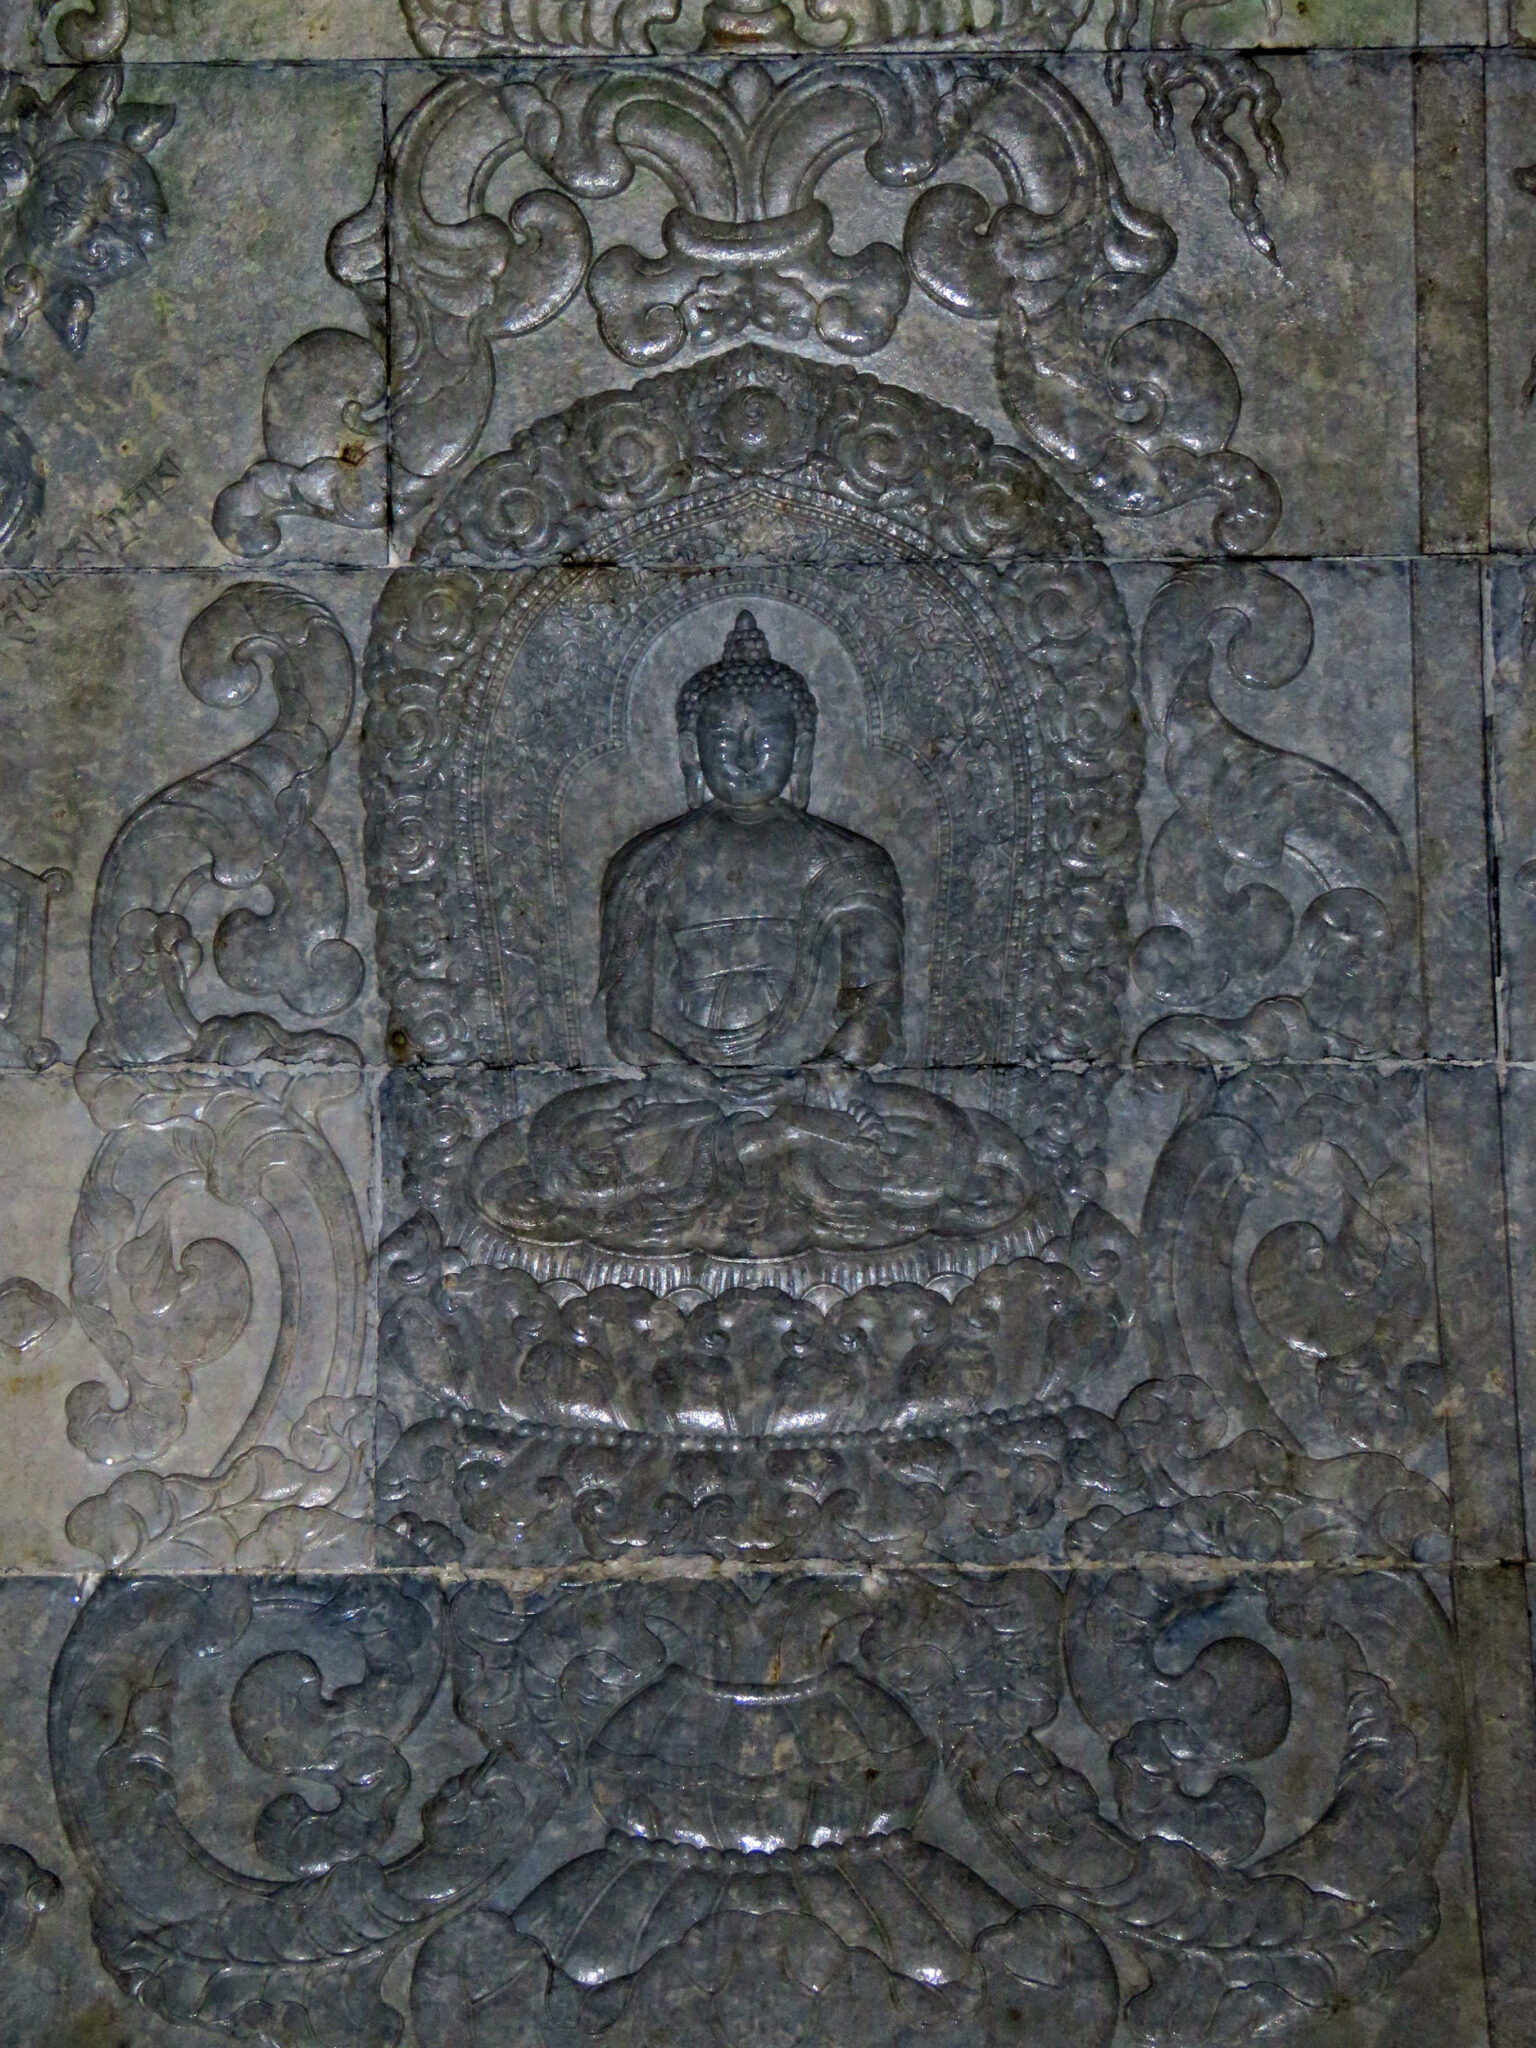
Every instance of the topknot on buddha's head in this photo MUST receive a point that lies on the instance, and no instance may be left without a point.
(747, 665)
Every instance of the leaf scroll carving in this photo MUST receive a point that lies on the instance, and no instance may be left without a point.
(1137, 419)
(703, 1798)
(189, 1141)
(244, 823)
(1323, 912)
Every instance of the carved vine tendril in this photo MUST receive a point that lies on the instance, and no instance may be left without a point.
(1274, 869)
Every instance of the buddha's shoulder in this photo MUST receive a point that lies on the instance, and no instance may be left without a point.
(638, 859)
(842, 844)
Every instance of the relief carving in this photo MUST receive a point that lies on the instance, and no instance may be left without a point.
(1180, 1389)
(26, 1892)
(981, 675)
(228, 871)
(24, 901)
(244, 824)
(751, 966)
(747, 1167)
(1276, 875)
(97, 30)
(640, 28)
(1229, 87)
(725, 1786)
(818, 1307)
(80, 208)
(31, 1321)
(1134, 418)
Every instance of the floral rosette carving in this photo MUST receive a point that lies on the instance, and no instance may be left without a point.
(562, 488)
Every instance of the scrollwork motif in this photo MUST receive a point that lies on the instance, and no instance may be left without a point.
(722, 1784)
(186, 1135)
(1231, 1940)
(247, 822)
(1324, 911)
(200, 1940)
(1137, 419)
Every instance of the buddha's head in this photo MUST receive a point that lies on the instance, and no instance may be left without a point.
(746, 727)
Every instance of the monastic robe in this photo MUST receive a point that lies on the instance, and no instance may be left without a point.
(750, 938)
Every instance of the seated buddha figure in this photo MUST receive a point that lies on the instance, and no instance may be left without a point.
(751, 968)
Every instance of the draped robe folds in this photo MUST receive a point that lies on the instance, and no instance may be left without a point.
(752, 967)
(835, 893)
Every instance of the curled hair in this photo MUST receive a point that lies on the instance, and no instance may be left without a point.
(746, 664)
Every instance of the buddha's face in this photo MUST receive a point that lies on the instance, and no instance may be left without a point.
(746, 744)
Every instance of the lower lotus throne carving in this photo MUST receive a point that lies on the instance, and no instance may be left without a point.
(754, 1825)
(751, 966)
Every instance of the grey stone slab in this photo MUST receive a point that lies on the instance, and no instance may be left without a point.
(1493, 1623)
(1315, 351)
(1476, 1349)
(135, 392)
(1512, 707)
(1450, 249)
(1453, 809)
(227, 31)
(1321, 341)
(18, 36)
(53, 1987)
(1002, 1797)
(174, 736)
(764, 1072)
(1518, 1095)
(224, 31)
(1512, 296)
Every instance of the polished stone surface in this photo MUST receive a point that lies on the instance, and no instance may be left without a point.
(767, 1023)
